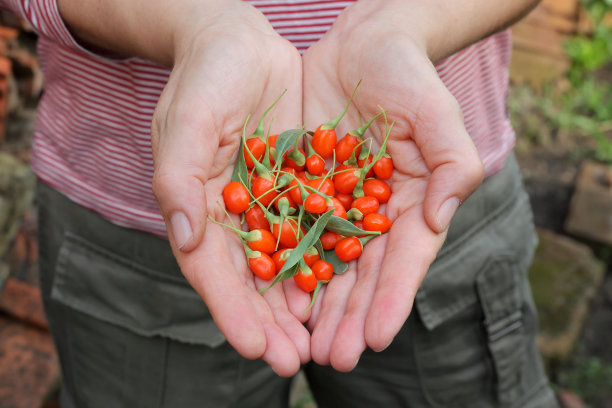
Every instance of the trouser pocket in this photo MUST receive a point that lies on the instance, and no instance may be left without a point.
(122, 327)
(476, 346)
(501, 299)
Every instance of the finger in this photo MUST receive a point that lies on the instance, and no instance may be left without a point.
(349, 341)
(287, 321)
(411, 248)
(315, 311)
(333, 306)
(297, 300)
(209, 270)
(281, 352)
(450, 154)
(185, 141)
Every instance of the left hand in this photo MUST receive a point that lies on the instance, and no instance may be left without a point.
(436, 168)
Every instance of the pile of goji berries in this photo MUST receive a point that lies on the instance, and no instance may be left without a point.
(307, 221)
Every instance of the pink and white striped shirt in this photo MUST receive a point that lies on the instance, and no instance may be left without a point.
(92, 138)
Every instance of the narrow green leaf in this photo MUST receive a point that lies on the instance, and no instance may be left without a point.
(241, 173)
(292, 264)
(314, 296)
(309, 240)
(339, 266)
(319, 247)
(285, 141)
(346, 228)
(281, 276)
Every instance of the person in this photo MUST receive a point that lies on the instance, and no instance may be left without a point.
(152, 95)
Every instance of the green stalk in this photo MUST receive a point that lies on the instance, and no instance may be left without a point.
(259, 132)
(358, 191)
(334, 122)
(359, 132)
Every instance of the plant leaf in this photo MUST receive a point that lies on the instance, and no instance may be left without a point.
(346, 228)
(319, 247)
(241, 173)
(285, 141)
(339, 266)
(292, 264)
(314, 296)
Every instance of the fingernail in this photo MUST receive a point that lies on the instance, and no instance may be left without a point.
(181, 229)
(446, 212)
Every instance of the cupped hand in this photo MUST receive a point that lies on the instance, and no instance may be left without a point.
(436, 168)
(223, 71)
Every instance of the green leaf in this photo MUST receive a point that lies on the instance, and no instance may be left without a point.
(309, 240)
(285, 141)
(320, 249)
(346, 228)
(241, 173)
(314, 296)
(290, 267)
(339, 266)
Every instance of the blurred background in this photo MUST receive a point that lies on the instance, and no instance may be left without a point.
(560, 102)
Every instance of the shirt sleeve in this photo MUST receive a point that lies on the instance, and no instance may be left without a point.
(45, 19)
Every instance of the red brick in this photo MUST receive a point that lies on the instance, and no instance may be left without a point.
(7, 33)
(5, 67)
(29, 367)
(24, 302)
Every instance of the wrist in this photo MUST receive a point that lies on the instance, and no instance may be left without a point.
(438, 27)
(151, 29)
(202, 26)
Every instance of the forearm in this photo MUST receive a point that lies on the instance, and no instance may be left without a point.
(443, 27)
(152, 29)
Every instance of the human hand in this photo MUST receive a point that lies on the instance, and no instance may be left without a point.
(222, 72)
(436, 168)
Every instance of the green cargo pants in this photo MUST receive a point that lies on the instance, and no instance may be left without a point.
(131, 332)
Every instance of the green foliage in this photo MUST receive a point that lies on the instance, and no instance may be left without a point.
(585, 108)
(591, 52)
(590, 378)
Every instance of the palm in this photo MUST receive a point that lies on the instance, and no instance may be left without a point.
(368, 305)
(196, 132)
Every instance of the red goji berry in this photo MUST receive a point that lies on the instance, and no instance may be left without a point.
(315, 165)
(366, 162)
(315, 204)
(288, 233)
(280, 258)
(378, 189)
(377, 222)
(367, 205)
(257, 147)
(256, 218)
(329, 240)
(324, 141)
(325, 186)
(236, 197)
(383, 168)
(305, 279)
(345, 147)
(345, 199)
(338, 208)
(322, 270)
(348, 249)
(346, 178)
(262, 189)
(262, 266)
(311, 256)
(261, 240)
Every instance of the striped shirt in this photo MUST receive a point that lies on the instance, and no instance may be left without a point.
(92, 137)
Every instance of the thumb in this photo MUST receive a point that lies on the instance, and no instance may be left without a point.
(183, 156)
(451, 156)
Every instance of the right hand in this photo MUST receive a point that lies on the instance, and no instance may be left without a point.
(223, 71)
